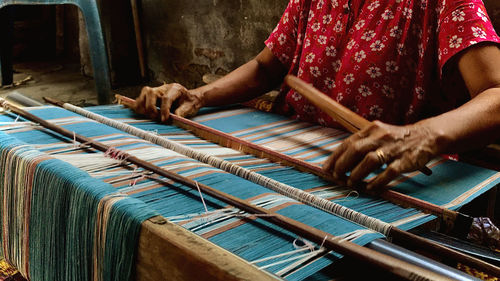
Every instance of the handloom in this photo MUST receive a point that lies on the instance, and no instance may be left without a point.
(227, 140)
(262, 243)
(389, 264)
(387, 229)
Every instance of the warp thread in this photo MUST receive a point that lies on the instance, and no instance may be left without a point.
(49, 217)
(292, 192)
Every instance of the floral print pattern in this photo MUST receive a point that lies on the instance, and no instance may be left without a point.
(383, 59)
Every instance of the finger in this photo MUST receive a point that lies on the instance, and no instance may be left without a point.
(167, 100)
(150, 104)
(392, 171)
(165, 109)
(370, 163)
(140, 101)
(353, 154)
(329, 164)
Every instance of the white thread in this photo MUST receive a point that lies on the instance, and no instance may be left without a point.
(299, 260)
(134, 182)
(301, 257)
(284, 189)
(209, 220)
(201, 196)
(319, 253)
(199, 215)
(346, 198)
(322, 243)
(307, 244)
(279, 255)
(91, 163)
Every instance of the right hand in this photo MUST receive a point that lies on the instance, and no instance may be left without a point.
(189, 101)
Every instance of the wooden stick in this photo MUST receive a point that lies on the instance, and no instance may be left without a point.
(363, 254)
(405, 238)
(138, 37)
(345, 117)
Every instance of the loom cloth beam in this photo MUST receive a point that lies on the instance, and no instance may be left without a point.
(370, 257)
(398, 235)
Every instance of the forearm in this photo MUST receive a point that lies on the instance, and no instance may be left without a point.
(473, 125)
(251, 80)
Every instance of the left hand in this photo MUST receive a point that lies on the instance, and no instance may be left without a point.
(403, 148)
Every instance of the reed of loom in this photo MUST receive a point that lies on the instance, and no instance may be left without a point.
(399, 236)
(389, 264)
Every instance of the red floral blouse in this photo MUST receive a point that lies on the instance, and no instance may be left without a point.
(382, 59)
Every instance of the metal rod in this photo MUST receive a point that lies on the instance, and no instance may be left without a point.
(400, 253)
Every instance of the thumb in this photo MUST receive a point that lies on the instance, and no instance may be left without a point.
(187, 109)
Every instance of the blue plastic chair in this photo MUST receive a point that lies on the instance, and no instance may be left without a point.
(96, 41)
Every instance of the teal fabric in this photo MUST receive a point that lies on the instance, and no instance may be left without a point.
(250, 239)
(62, 220)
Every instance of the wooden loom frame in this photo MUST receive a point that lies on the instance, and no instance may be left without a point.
(406, 237)
(392, 265)
(198, 129)
(166, 249)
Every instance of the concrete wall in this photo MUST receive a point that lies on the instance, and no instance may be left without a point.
(189, 38)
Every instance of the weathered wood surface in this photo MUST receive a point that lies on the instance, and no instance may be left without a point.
(167, 251)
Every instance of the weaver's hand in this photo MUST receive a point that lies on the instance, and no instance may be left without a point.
(188, 101)
(402, 148)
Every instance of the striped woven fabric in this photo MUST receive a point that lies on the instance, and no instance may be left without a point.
(142, 194)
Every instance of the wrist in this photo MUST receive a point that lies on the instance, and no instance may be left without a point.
(200, 94)
(438, 139)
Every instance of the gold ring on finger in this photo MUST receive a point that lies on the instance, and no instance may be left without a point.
(381, 156)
